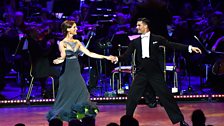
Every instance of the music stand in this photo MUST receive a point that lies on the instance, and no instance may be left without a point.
(208, 53)
(120, 43)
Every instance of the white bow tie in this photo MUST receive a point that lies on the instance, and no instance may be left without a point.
(143, 36)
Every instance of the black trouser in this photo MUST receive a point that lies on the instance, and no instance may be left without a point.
(149, 95)
(153, 77)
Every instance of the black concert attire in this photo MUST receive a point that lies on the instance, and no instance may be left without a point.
(149, 73)
(41, 54)
(16, 52)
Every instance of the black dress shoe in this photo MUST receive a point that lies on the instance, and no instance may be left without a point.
(160, 103)
(183, 123)
(152, 105)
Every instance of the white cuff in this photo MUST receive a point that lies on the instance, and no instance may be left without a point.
(190, 48)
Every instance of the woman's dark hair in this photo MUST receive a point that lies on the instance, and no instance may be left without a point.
(65, 25)
(145, 20)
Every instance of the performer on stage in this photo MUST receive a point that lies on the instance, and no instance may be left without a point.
(149, 71)
(72, 100)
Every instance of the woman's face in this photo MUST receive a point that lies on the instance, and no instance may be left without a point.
(73, 29)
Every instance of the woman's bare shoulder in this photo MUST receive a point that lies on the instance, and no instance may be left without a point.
(76, 40)
(62, 41)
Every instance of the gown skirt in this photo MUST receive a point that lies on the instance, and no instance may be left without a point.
(73, 99)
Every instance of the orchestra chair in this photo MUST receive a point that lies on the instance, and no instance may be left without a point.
(170, 66)
(131, 70)
(34, 78)
(123, 69)
(117, 70)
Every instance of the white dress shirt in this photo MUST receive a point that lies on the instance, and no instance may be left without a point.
(145, 44)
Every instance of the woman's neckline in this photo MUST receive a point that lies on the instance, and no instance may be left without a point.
(70, 41)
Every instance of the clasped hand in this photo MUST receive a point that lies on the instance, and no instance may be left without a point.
(113, 59)
(196, 50)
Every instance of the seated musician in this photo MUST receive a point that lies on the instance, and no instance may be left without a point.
(43, 49)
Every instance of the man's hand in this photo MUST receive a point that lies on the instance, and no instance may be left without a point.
(113, 59)
(196, 50)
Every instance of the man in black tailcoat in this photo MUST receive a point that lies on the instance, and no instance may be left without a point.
(149, 70)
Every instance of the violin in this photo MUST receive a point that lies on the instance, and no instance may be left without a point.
(39, 31)
(218, 67)
(4, 28)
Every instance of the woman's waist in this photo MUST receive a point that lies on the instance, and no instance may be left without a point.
(71, 57)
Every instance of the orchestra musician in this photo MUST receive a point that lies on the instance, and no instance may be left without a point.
(15, 38)
(43, 49)
(4, 54)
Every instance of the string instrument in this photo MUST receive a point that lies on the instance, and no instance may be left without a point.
(58, 35)
(87, 27)
(218, 67)
(4, 28)
(39, 31)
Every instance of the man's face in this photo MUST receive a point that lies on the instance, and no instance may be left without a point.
(142, 27)
(19, 20)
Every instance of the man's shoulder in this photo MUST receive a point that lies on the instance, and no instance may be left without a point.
(156, 36)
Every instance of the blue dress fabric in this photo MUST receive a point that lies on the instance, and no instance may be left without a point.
(73, 99)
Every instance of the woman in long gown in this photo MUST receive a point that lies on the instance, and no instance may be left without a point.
(73, 99)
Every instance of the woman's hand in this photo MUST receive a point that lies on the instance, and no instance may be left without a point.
(111, 58)
(108, 57)
(58, 61)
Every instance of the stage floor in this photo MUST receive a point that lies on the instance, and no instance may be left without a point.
(35, 115)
